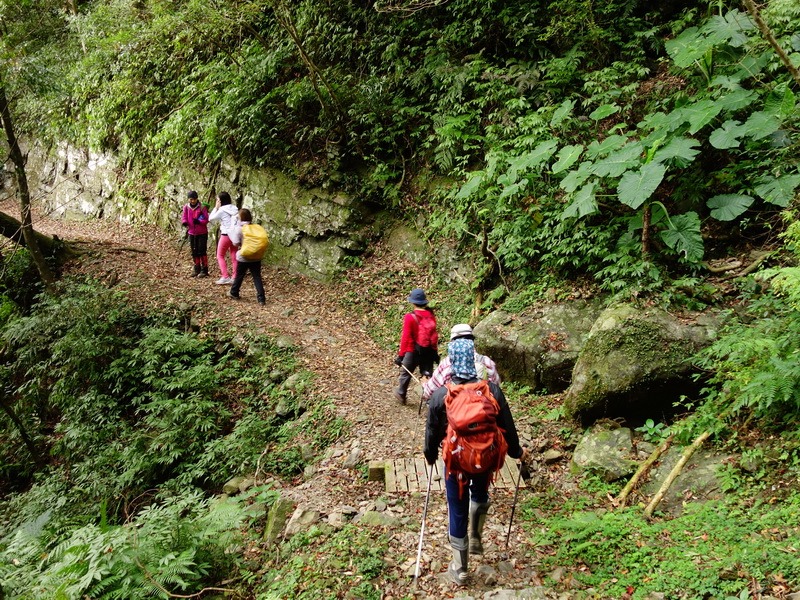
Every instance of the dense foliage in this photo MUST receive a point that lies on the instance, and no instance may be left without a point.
(609, 140)
(620, 143)
(116, 428)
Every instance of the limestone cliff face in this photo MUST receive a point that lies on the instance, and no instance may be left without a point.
(311, 230)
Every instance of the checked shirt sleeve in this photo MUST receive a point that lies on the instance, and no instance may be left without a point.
(440, 377)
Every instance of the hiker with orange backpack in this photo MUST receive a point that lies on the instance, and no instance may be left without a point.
(419, 342)
(484, 366)
(473, 418)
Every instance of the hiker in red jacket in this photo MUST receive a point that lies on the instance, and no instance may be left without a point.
(195, 220)
(467, 492)
(419, 343)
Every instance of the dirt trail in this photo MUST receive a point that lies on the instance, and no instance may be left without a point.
(349, 368)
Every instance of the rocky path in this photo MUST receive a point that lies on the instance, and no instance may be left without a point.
(349, 368)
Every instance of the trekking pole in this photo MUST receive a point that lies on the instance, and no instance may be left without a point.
(514, 505)
(422, 529)
(421, 399)
(412, 375)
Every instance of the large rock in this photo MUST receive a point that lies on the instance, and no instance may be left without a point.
(538, 346)
(277, 516)
(607, 452)
(635, 362)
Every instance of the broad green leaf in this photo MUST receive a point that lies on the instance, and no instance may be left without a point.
(736, 99)
(688, 47)
(601, 112)
(726, 207)
(700, 114)
(761, 124)
(514, 188)
(472, 184)
(680, 151)
(493, 159)
(567, 157)
(684, 236)
(609, 144)
(726, 81)
(525, 162)
(781, 104)
(562, 112)
(637, 186)
(577, 177)
(506, 179)
(584, 203)
(727, 136)
(620, 161)
(778, 190)
(729, 29)
(657, 121)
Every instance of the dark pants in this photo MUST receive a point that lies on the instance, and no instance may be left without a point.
(199, 245)
(458, 503)
(422, 358)
(254, 268)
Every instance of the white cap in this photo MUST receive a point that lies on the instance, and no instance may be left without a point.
(460, 330)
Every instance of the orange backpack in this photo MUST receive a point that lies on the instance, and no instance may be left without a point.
(474, 442)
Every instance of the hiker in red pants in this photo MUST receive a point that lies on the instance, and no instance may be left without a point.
(419, 343)
(475, 422)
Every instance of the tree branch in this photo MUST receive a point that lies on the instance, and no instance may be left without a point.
(767, 33)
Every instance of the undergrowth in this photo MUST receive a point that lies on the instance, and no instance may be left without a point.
(140, 424)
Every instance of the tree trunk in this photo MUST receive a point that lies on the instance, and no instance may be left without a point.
(26, 439)
(50, 246)
(31, 241)
(646, 213)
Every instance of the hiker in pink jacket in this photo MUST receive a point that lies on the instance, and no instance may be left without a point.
(195, 219)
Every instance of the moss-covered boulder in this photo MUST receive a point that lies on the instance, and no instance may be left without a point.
(606, 452)
(538, 346)
(635, 361)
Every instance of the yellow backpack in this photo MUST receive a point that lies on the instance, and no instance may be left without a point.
(254, 242)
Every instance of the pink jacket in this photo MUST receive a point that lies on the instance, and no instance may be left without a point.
(196, 218)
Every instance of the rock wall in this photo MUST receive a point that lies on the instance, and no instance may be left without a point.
(311, 230)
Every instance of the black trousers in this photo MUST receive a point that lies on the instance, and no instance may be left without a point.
(254, 268)
(198, 245)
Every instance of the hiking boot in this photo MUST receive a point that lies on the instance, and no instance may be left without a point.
(230, 295)
(202, 275)
(457, 569)
(477, 519)
(400, 397)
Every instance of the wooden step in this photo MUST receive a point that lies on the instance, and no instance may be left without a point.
(411, 475)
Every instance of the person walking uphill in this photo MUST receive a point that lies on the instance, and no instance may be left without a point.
(195, 219)
(226, 214)
(252, 242)
(418, 343)
(475, 422)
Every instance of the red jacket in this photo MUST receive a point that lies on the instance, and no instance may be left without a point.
(409, 335)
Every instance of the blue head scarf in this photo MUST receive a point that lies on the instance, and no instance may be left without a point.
(462, 357)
